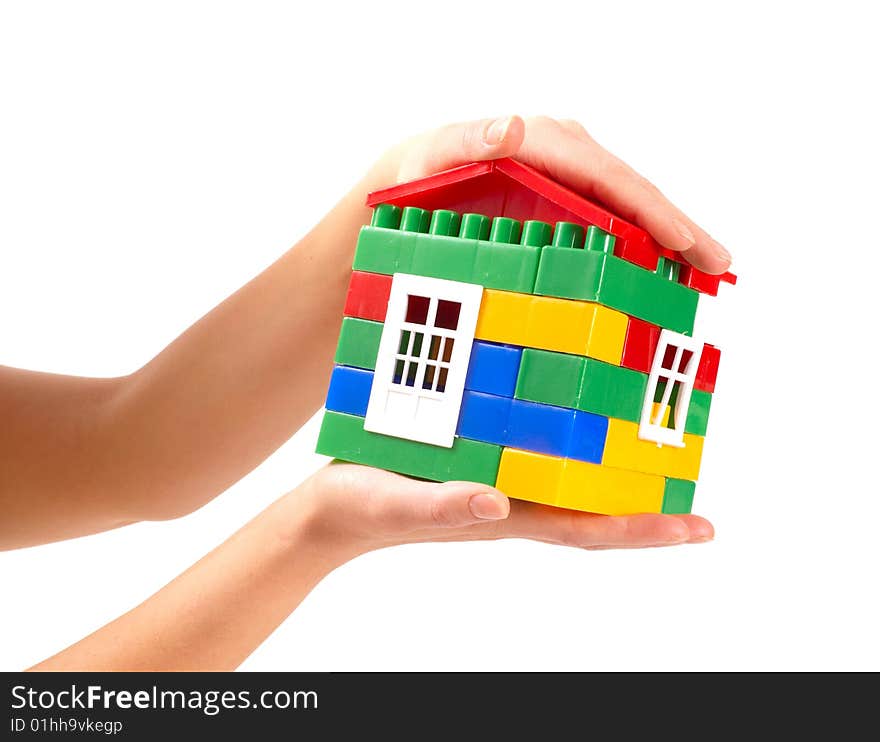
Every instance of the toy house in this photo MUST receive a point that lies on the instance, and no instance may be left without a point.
(500, 328)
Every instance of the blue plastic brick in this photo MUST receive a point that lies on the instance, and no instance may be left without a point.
(493, 368)
(539, 427)
(349, 390)
(588, 434)
(531, 426)
(484, 417)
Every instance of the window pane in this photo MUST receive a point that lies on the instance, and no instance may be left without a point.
(403, 348)
(670, 402)
(673, 398)
(447, 314)
(417, 309)
(661, 390)
(398, 372)
(434, 351)
(669, 357)
(411, 374)
(685, 358)
(441, 381)
(417, 344)
(429, 376)
(447, 349)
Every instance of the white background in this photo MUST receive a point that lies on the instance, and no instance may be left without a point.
(155, 156)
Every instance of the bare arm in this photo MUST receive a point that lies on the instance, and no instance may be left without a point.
(217, 612)
(82, 455)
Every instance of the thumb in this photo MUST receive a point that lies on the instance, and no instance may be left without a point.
(445, 505)
(457, 144)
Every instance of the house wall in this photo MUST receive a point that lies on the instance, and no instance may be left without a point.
(555, 382)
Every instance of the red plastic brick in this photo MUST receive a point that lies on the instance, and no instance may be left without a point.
(707, 371)
(639, 250)
(502, 188)
(639, 345)
(508, 188)
(703, 282)
(367, 296)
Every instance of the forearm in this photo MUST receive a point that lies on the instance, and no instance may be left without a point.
(239, 382)
(83, 455)
(217, 612)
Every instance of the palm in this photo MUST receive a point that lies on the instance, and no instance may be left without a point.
(380, 509)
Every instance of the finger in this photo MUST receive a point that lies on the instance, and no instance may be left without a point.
(637, 199)
(590, 531)
(457, 144)
(700, 529)
(569, 155)
(576, 129)
(399, 505)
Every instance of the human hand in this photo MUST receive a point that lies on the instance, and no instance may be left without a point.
(359, 509)
(567, 153)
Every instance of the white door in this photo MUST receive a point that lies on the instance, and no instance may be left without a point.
(423, 358)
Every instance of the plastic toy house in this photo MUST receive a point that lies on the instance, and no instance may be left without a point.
(499, 328)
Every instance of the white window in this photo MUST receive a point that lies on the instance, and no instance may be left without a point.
(672, 373)
(423, 358)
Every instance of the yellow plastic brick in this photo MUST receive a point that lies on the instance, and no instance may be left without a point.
(624, 450)
(607, 335)
(602, 489)
(529, 476)
(503, 316)
(578, 485)
(577, 327)
(562, 325)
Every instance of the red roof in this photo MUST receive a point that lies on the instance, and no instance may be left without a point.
(509, 188)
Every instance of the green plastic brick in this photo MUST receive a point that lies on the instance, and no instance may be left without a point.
(505, 229)
(591, 275)
(445, 222)
(506, 267)
(612, 390)
(386, 215)
(358, 343)
(678, 496)
(437, 256)
(490, 264)
(415, 219)
(668, 268)
(599, 240)
(381, 250)
(536, 234)
(343, 437)
(581, 383)
(550, 378)
(474, 227)
(697, 421)
(568, 234)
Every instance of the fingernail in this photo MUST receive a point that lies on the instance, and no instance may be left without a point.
(496, 131)
(680, 538)
(700, 532)
(487, 507)
(721, 252)
(686, 234)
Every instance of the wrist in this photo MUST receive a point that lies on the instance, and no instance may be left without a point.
(306, 524)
